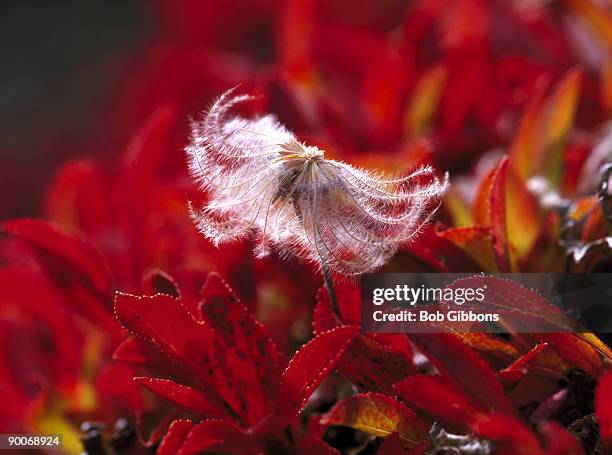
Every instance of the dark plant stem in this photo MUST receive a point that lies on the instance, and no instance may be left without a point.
(330, 288)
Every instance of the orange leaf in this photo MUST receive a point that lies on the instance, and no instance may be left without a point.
(560, 118)
(425, 100)
(524, 224)
(576, 351)
(596, 343)
(457, 208)
(527, 141)
(476, 242)
(490, 344)
(582, 207)
(380, 415)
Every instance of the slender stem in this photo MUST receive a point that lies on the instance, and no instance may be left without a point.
(330, 288)
(329, 284)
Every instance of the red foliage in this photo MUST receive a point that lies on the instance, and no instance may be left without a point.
(503, 95)
(603, 406)
(230, 366)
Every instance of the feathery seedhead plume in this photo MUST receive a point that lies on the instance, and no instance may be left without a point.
(262, 180)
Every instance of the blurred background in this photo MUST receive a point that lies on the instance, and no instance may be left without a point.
(60, 63)
(76, 75)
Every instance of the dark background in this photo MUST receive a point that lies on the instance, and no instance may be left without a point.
(59, 61)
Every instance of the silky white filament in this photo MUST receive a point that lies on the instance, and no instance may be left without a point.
(261, 180)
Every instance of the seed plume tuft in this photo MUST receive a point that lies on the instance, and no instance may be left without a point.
(261, 180)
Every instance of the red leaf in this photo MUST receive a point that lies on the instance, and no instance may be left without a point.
(518, 306)
(159, 282)
(533, 387)
(603, 408)
(142, 159)
(134, 185)
(456, 101)
(482, 203)
(130, 351)
(229, 354)
(367, 363)
(181, 395)
(216, 435)
(379, 415)
(164, 323)
(29, 297)
(16, 403)
(175, 437)
(392, 445)
(372, 366)
(438, 398)
(490, 211)
(79, 197)
(384, 85)
(243, 347)
(115, 381)
(441, 253)
(458, 361)
(156, 433)
(559, 440)
(76, 253)
(315, 360)
(509, 433)
(348, 296)
(43, 339)
(421, 449)
(606, 85)
(75, 266)
(542, 358)
(294, 48)
(323, 317)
